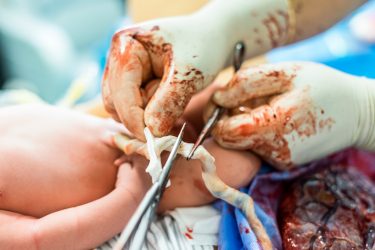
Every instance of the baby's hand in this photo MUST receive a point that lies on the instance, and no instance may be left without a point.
(132, 177)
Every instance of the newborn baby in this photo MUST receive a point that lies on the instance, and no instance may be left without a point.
(64, 184)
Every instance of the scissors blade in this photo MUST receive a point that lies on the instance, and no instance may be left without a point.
(137, 216)
(239, 54)
(145, 212)
(139, 237)
(149, 215)
(206, 129)
(163, 179)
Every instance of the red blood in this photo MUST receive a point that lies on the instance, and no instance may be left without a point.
(188, 236)
(332, 209)
(243, 229)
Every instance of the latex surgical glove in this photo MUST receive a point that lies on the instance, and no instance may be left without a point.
(293, 113)
(154, 68)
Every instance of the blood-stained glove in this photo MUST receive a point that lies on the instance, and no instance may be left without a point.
(293, 113)
(154, 68)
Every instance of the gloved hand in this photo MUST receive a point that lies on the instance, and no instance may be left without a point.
(154, 68)
(293, 113)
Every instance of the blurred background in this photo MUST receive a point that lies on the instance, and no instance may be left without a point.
(47, 46)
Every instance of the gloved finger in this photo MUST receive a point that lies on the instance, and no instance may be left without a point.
(248, 130)
(251, 83)
(149, 90)
(106, 97)
(129, 65)
(244, 108)
(273, 131)
(174, 93)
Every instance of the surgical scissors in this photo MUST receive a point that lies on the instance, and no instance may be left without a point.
(135, 231)
(239, 53)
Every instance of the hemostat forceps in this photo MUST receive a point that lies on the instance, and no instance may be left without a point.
(134, 234)
(239, 52)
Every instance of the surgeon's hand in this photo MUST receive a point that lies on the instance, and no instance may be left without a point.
(293, 113)
(153, 69)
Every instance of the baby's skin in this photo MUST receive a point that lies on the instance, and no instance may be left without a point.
(62, 185)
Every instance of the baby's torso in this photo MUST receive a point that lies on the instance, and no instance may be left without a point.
(34, 182)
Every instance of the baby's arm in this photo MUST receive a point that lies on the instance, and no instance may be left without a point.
(82, 227)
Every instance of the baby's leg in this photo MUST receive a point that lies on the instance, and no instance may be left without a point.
(235, 168)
